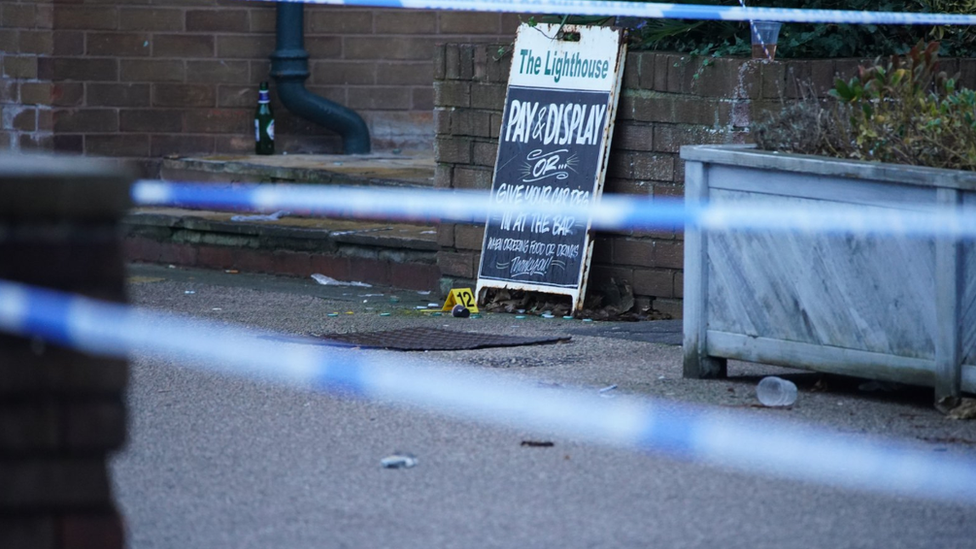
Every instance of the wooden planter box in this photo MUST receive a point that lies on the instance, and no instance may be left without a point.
(887, 308)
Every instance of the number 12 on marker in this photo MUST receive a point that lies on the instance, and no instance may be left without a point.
(461, 296)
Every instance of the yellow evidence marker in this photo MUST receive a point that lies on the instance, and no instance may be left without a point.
(460, 296)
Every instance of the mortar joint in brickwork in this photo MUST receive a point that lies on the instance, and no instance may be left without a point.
(648, 94)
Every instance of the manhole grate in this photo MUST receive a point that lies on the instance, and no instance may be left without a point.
(433, 339)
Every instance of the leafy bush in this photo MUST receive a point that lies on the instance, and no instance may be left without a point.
(811, 40)
(902, 110)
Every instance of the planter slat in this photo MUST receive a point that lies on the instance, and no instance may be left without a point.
(818, 187)
(823, 358)
(948, 292)
(697, 362)
(968, 298)
(969, 378)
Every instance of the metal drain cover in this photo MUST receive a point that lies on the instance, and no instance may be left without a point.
(433, 339)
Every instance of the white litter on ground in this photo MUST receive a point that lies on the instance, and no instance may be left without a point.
(329, 281)
(260, 217)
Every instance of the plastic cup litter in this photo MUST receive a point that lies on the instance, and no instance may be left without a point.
(773, 391)
(765, 34)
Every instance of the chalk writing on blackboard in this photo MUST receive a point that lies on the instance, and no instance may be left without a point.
(552, 150)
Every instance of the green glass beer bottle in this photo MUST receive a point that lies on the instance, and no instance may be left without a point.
(264, 123)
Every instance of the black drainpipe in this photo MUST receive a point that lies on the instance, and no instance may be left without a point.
(289, 68)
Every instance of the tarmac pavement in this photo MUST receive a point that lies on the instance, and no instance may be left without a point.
(217, 462)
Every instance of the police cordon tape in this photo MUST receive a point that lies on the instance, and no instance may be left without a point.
(651, 10)
(709, 436)
(611, 212)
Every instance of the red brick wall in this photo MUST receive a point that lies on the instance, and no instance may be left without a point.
(134, 79)
(668, 101)
(25, 99)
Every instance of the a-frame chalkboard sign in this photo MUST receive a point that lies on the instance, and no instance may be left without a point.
(552, 151)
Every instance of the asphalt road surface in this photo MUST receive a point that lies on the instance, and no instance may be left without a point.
(216, 462)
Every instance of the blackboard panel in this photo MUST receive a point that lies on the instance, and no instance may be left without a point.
(551, 140)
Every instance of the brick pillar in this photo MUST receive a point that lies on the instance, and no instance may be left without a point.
(61, 412)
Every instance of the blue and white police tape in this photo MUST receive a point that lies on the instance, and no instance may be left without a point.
(708, 436)
(612, 212)
(651, 10)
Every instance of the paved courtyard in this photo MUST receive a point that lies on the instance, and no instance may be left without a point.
(220, 462)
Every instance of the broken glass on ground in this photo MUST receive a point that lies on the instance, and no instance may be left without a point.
(399, 461)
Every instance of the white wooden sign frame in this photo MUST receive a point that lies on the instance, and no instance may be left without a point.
(553, 148)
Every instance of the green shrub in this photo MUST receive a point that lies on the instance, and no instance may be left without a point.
(902, 110)
(811, 40)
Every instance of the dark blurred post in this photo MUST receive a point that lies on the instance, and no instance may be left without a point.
(61, 412)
